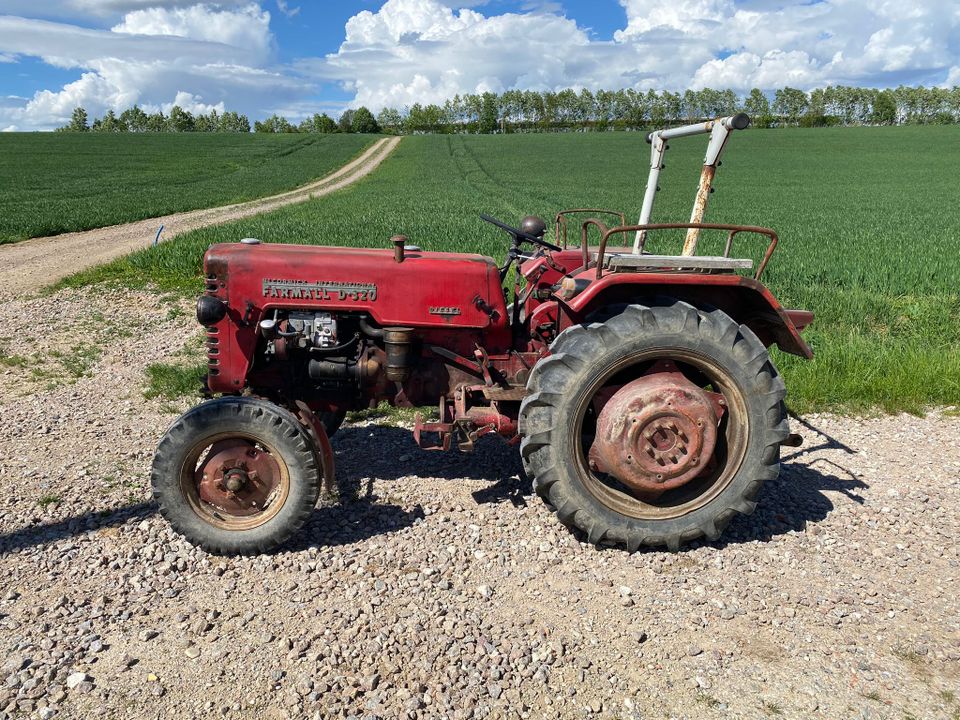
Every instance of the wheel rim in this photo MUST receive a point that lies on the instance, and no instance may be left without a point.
(720, 468)
(234, 481)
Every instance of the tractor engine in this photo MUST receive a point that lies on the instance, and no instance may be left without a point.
(338, 357)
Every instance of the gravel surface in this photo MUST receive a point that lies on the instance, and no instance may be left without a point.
(439, 587)
(27, 265)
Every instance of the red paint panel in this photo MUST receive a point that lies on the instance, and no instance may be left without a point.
(755, 305)
(427, 290)
(393, 293)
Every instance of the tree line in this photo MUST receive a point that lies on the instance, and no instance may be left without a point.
(531, 111)
(135, 120)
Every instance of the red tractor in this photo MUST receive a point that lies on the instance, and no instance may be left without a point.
(638, 386)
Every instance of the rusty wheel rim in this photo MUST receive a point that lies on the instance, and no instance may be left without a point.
(234, 481)
(732, 435)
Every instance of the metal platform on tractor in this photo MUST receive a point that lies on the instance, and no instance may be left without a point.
(628, 261)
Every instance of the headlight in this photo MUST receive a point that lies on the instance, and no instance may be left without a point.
(210, 310)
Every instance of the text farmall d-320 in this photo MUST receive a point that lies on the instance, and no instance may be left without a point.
(638, 386)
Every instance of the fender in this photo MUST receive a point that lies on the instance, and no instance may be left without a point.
(744, 299)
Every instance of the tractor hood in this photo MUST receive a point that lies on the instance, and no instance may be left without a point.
(422, 288)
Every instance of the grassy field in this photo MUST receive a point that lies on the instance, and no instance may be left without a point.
(54, 183)
(868, 220)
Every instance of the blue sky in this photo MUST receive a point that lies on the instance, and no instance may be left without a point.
(297, 57)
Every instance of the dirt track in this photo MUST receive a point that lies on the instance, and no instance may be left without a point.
(32, 264)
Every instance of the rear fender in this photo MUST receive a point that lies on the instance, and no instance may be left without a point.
(744, 299)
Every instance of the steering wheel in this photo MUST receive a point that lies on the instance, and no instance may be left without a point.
(519, 234)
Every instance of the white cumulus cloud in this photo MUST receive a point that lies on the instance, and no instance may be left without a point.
(201, 57)
(222, 53)
(426, 50)
(247, 27)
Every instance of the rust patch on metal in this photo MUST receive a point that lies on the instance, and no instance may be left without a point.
(561, 220)
(699, 209)
(238, 478)
(657, 432)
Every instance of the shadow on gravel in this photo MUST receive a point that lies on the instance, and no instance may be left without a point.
(380, 452)
(383, 452)
(73, 526)
(797, 497)
(351, 521)
(388, 453)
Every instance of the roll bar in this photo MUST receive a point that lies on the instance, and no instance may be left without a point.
(719, 130)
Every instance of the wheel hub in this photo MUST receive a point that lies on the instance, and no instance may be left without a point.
(238, 478)
(658, 432)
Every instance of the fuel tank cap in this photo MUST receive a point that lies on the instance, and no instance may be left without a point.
(250, 241)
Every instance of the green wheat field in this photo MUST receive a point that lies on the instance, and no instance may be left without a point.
(868, 219)
(51, 183)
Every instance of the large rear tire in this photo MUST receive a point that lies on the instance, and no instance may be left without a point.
(716, 354)
(236, 475)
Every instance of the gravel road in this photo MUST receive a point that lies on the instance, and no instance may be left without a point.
(439, 587)
(32, 264)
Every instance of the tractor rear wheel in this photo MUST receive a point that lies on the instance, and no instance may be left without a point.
(236, 475)
(654, 427)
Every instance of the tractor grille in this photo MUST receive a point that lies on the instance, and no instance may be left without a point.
(213, 340)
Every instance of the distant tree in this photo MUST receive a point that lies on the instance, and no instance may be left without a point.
(134, 119)
(511, 106)
(109, 123)
(364, 122)
(157, 122)
(274, 124)
(630, 108)
(489, 113)
(566, 109)
(232, 122)
(884, 109)
(691, 108)
(953, 102)
(180, 120)
(78, 121)
(390, 119)
(790, 103)
(757, 107)
(207, 123)
(429, 119)
(345, 123)
(319, 124)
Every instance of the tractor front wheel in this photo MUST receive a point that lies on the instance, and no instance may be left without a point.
(236, 475)
(655, 427)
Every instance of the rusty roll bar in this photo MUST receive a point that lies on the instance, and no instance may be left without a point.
(733, 230)
(719, 130)
(584, 246)
(561, 220)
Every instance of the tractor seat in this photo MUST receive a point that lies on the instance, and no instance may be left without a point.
(631, 262)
